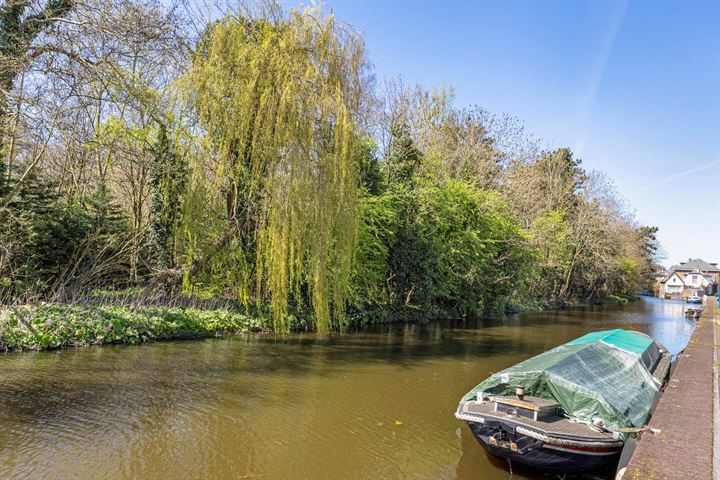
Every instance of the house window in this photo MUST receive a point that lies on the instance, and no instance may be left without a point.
(695, 278)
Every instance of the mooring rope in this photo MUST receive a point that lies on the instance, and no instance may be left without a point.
(469, 418)
(545, 438)
(567, 442)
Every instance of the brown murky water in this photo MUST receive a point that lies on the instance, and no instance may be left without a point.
(371, 405)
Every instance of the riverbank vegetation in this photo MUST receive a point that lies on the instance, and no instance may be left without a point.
(53, 326)
(255, 160)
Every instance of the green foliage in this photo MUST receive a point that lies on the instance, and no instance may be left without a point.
(168, 183)
(253, 174)
(434, 246)
(48, 242)
(277, 96)
(445, 249)
(371, 175)
(648, 261)
(404, 158)
(52, 326)
(550, 240)
(377, 234)
(479, 249)
(411, 255)
(412, 262)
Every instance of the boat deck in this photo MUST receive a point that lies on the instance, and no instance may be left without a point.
(555, 425)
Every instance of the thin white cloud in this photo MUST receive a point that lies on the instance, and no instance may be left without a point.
(588, 99)
(679, 175)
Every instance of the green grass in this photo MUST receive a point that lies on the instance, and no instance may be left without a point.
(54, 326)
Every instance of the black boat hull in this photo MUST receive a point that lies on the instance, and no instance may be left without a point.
(501, 440)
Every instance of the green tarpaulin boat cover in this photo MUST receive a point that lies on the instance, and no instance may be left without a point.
(602, 375)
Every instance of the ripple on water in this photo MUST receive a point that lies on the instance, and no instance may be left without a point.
(376, 404)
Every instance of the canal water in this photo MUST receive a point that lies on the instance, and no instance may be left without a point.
(371, 405)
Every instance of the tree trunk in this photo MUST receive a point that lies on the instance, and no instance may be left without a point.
(16, 37)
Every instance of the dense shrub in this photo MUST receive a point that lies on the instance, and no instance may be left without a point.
(447, 248)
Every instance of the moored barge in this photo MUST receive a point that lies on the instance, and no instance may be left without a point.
(572, 408)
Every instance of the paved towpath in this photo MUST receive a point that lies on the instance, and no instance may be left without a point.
(686, 414)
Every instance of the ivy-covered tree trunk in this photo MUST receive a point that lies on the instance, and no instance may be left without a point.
(168, 184)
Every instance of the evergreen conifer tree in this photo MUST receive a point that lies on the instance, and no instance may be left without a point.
(167, 183)
(404, 158)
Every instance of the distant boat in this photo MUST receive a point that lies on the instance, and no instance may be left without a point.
(694, 299)
(646, 293)
(571, 408)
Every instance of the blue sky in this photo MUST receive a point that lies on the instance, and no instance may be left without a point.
(632, 87)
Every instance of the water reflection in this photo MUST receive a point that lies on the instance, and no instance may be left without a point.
(371, 404)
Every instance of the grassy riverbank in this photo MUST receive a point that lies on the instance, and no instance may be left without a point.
(54, 326)
(50, 326)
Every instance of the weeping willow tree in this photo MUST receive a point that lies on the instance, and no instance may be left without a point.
(273, 214)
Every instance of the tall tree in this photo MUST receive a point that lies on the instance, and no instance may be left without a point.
(278, 95)
(411, 256)
(168, 180)
(371, 175)
(649, 246)
(20, 24)
(404, 158)
(551, 182)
